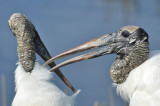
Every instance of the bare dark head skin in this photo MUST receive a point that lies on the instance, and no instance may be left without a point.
(29, 43)
(130, 43)
(20, 26)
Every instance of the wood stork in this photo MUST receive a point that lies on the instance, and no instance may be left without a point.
(136, 70)
(33, 83)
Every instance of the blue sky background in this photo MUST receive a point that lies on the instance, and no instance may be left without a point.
(64, 24)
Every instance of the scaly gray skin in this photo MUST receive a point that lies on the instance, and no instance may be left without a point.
(124, 63)
(131, 55)
(29, 43)
(22, 29)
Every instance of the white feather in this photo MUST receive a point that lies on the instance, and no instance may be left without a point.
(36, 89)
(142, 87)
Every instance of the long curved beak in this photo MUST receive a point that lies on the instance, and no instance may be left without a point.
(44, 54)
(108, 40)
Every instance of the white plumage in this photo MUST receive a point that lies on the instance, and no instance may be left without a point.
(36, 89)
(142, 87)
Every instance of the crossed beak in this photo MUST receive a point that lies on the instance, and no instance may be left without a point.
(108, 43)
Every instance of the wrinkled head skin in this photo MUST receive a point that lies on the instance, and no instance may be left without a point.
(130, 43)
(20, 26)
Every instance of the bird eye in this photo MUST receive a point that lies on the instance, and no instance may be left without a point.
(125, 33)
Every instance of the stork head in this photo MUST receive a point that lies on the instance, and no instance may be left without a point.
(127, 43)
(28, 41)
